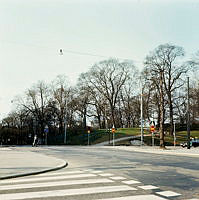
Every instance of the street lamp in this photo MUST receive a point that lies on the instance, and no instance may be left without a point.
(65, 129)
(188, 116)
(141, 113)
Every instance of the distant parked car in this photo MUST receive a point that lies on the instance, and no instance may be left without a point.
(193, 143)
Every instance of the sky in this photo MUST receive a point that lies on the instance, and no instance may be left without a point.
(33, 31)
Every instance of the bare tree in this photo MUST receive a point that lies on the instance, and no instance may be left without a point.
(60, 92)
(108, 77)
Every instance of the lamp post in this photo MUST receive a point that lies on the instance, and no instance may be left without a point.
(174, 134)
(188, 116)
(141, 114)
(65, 126)
(106, 123)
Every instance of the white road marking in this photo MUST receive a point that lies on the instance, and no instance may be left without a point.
(88, 170)
(192, 199)
(148, 187)
(106, 174)
(96, 171)
(117, 178)
(48, 178)
(137, 197)
(61, 173)
(53, 184)
(168, 193)
(68, 192)
(131, 182)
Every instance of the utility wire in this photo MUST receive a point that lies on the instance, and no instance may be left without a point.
(65, 50)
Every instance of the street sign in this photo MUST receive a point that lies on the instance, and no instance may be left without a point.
(152, 128)
(88, 129)
(46, 130)
(113, 130)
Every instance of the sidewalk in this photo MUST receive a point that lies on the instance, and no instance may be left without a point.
(116, 140)
(15, 163)
(170, 150)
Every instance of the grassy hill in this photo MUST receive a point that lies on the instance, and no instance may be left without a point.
(101, 135)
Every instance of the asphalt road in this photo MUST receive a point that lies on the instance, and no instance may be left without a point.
(175, 173)
(170, 173)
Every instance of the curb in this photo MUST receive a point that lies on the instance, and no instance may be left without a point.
(64, 164)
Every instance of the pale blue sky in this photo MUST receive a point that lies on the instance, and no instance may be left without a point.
(33, 31)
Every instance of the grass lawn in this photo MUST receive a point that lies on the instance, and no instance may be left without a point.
(125, 132)
(120, 132)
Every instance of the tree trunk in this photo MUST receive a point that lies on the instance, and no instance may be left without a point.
(171, 117)
(162, 112)
(99, 120)
(84, 118)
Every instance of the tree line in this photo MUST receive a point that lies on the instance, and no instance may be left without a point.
(107, 95)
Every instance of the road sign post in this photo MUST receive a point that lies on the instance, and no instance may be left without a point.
(46, 130)
(113, 132)
(174, 135)
(152, 129)
(88, 132)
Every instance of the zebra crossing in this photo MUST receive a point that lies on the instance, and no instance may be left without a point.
(79, 184)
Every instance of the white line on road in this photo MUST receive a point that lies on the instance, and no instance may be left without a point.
(117, 178)
(192, 199)
(168, 193)
(68, 192)
(148, 187)
(106, 174)
(48, 178)
(61, 173)
(53, 184)
(95, 171)
(131, 182)
(137, 197)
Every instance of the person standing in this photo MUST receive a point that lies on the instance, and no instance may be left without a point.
(34, 141)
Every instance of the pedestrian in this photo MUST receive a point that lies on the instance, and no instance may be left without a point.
(34, 141)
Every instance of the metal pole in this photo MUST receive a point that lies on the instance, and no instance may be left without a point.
(65, 130)
(106, 124)
(188, 116)
(46, 138)
(141, 114)
(88, 139)
(174, 134)
(113, 139)
(152, 138)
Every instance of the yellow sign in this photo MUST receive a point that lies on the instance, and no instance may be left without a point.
(113, 130)
(152, 128)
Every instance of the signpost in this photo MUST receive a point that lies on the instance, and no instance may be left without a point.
(152, 130)
(113, 132)
(89, 131)
(174, 135)
(46, 133)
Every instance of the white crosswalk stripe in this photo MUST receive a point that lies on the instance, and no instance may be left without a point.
(49, 178)
(67, 192)
(53, 184)
(131, 182)
(61, 173)
(117, 178)
(73, 184)
(148, 187)
(168, 193)
(106, 174)
(137, 197)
